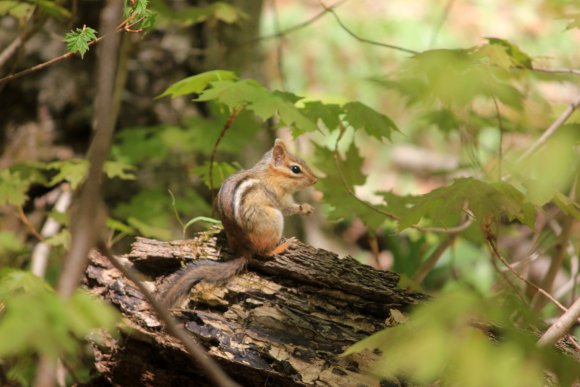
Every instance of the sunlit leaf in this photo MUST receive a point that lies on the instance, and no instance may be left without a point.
(518, 57)
(197, 83)
(485, 200)
(375, 124)
(442, 342)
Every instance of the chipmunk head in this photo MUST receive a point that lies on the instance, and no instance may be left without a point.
(291, 172)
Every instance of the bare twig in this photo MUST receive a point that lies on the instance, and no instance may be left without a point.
(559, 253)
(28, 225)
(196, 352)
(364, 40)
(562, 326)
(225, 128)
(500, 145)
(441, 21)
(493, 247)
(280, 47)
(43, 65)
(33, 25)
(560, 70)
(123, 26)
(296, 27)
(550, 131)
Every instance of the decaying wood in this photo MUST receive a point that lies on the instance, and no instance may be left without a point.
(284, 322)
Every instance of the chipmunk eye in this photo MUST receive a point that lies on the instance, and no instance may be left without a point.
(296, 169)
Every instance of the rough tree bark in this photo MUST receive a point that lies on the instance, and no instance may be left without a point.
(284, 322)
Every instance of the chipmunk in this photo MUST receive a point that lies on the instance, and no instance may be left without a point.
(252, 204)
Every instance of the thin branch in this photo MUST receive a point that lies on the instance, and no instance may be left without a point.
(29, 225)
(296, 27)
(495, 251)
(123, 26)
(441, 21)
(364, 40)
(550, 131)
(225, 128)
(280, 48)
(561, 327)
(500, 145)
(430, 263)
(560, 251)
(557, 70)
(33, 25)
(43, 65)
(196, 352)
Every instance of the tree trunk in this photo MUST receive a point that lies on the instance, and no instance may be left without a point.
(284, 322)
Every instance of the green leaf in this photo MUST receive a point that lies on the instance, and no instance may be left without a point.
(260, 100)
(444, 206)
(119, 169)
(148, 230)
(454, 352)
(62, 238)
(75, 170)
(78, 40)
(12, 188)
(52, 8)
(198, 219)
(119, 226)
(36, 320)
(518, 57)
(456, 77)
(360, 116)
(444, 119)
(227, 13)
(138, 8)
(197, 83)
(17, 9)
(567, 206)
(329, 114)
(191, 15)
(221, 170)
(10, 243)
(335, 186)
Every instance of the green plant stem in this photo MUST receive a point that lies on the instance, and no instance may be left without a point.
(430, 263)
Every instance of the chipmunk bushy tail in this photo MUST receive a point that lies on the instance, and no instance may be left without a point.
(218, 272)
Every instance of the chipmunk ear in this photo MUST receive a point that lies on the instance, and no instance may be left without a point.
(279, 151)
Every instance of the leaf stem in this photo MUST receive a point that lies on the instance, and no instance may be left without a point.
(225, 128)
(550, 131)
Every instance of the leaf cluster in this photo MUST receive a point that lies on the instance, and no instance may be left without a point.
(35, 321)
(450, 340)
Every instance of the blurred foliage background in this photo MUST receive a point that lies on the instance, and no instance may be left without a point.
(428, 106)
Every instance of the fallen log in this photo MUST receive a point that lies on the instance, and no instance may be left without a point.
(283, 322)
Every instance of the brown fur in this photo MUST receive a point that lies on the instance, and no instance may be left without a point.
(260, 197)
